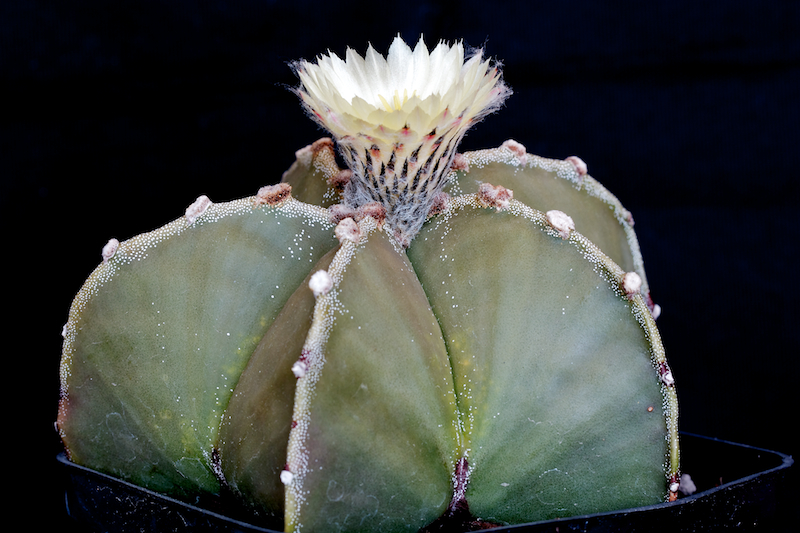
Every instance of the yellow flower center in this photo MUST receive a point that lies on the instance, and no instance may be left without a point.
(396, 104)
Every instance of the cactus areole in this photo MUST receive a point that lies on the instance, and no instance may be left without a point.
(425, 339)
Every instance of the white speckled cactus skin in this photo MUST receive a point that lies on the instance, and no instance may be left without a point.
(318, 363)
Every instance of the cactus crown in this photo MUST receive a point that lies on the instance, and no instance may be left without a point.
(399, 119)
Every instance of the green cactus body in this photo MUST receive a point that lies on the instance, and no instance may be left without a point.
(160, 333)
(547, 184)
(331, 370)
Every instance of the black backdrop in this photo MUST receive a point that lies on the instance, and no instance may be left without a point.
(117, 115)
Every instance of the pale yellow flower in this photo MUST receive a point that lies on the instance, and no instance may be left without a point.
(398, 119)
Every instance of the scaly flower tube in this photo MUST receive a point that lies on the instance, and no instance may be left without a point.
(399, 119)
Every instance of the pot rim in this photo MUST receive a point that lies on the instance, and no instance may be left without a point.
(757, 488)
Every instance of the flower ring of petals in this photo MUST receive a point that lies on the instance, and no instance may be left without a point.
(399, 119)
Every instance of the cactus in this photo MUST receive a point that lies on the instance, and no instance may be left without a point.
(424, 339)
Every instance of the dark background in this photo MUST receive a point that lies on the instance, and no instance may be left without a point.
(117, 115)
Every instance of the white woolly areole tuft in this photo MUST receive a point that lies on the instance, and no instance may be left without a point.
(561, 222)
(194, 211)
(110, 249)
(398, 119)
(320, 283)
(299, 369)
(348, 230)
(286, 477)
(631, 283)
(686, 485)
(516, 148)
(656, 311)
(580, 166)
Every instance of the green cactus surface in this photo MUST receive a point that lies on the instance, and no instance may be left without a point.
(498, 364)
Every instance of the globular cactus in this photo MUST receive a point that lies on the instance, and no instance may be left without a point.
(424, 338)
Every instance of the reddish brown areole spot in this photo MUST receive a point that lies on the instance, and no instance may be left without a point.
(216, 467)
(460, 162)
(321, 144)
(339, 181)
(580, 166)
(665, 374)
(339, 212)
(518, 149)
(273, 194)
(457, 517)
(494, 196)
(402, 239)
(196, 210)
(460, 482)
(374, 210)
(439, 204)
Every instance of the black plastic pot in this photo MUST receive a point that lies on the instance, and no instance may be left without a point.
(739, 487)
